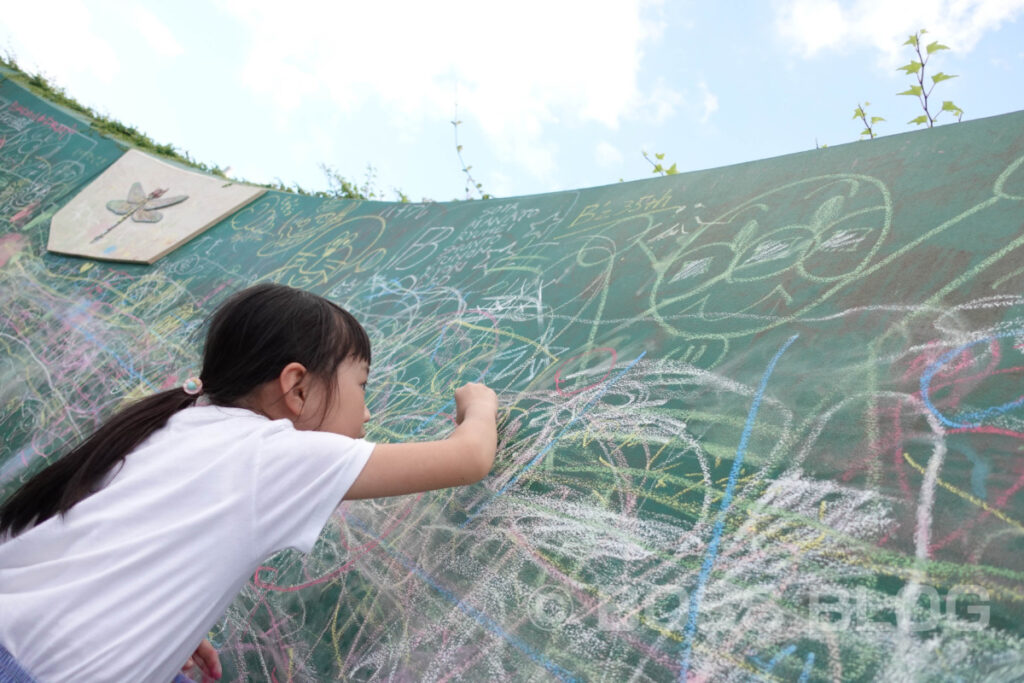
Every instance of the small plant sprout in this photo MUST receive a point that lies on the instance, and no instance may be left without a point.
(658, 166)
(916, 68)
(471, 184)
(860, 113)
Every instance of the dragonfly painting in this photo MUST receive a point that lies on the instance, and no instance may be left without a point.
(140, 207)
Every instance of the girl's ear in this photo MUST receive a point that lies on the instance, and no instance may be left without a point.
(292, 381)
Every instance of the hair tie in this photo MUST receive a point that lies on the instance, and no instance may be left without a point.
(193, 386)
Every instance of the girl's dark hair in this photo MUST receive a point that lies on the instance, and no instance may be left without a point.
(252, 336)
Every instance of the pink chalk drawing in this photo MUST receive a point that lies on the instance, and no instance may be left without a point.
(11, 245)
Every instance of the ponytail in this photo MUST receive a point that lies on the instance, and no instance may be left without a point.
(80, 473)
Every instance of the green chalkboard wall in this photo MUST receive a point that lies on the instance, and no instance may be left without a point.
(763, 421)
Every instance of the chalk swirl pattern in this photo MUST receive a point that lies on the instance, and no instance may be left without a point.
(759, 423)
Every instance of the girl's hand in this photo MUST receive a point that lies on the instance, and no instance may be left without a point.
(207, 659)
(464, 457)
(476, 398)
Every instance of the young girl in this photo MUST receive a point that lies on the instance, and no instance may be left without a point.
(117, 558)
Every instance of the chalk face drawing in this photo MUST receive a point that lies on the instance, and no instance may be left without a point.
(759, 423)
(41, 159)
(774, 257)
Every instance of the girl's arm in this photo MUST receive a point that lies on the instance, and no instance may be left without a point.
(464, 457)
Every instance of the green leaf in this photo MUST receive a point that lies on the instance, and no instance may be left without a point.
(866, 131)
(458, 148)
(936, 46)
(671, 170)
(659, 157)
(828, 213)
(922, 119)
(949, 106)
(858, 112)
(912, 40)
(915, 90)
(942, 77)
(876, 119)
(745, 235)
(658, 168)
(911, 68)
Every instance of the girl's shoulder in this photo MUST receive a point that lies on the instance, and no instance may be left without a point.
(203, 414)
(222, 420)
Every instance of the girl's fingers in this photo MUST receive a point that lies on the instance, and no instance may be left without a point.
(201, 663)
(208, 659)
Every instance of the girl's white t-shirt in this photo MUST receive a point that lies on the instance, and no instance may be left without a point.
(125, 586)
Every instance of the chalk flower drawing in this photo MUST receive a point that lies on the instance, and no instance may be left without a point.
(140, 207)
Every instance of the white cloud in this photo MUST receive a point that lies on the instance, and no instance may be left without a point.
(710, 102)
(156, 33)
(657, 105)
(606, 154)
(516, 67)
(62, 40)
(815, 25)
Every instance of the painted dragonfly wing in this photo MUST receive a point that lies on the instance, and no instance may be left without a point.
(161, 202)
(144, 216)
(136, 198)
(135, 194)
(121, 207)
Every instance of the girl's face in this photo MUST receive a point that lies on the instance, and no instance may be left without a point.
(347, 412)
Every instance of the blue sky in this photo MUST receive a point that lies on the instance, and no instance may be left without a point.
(553, 95)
